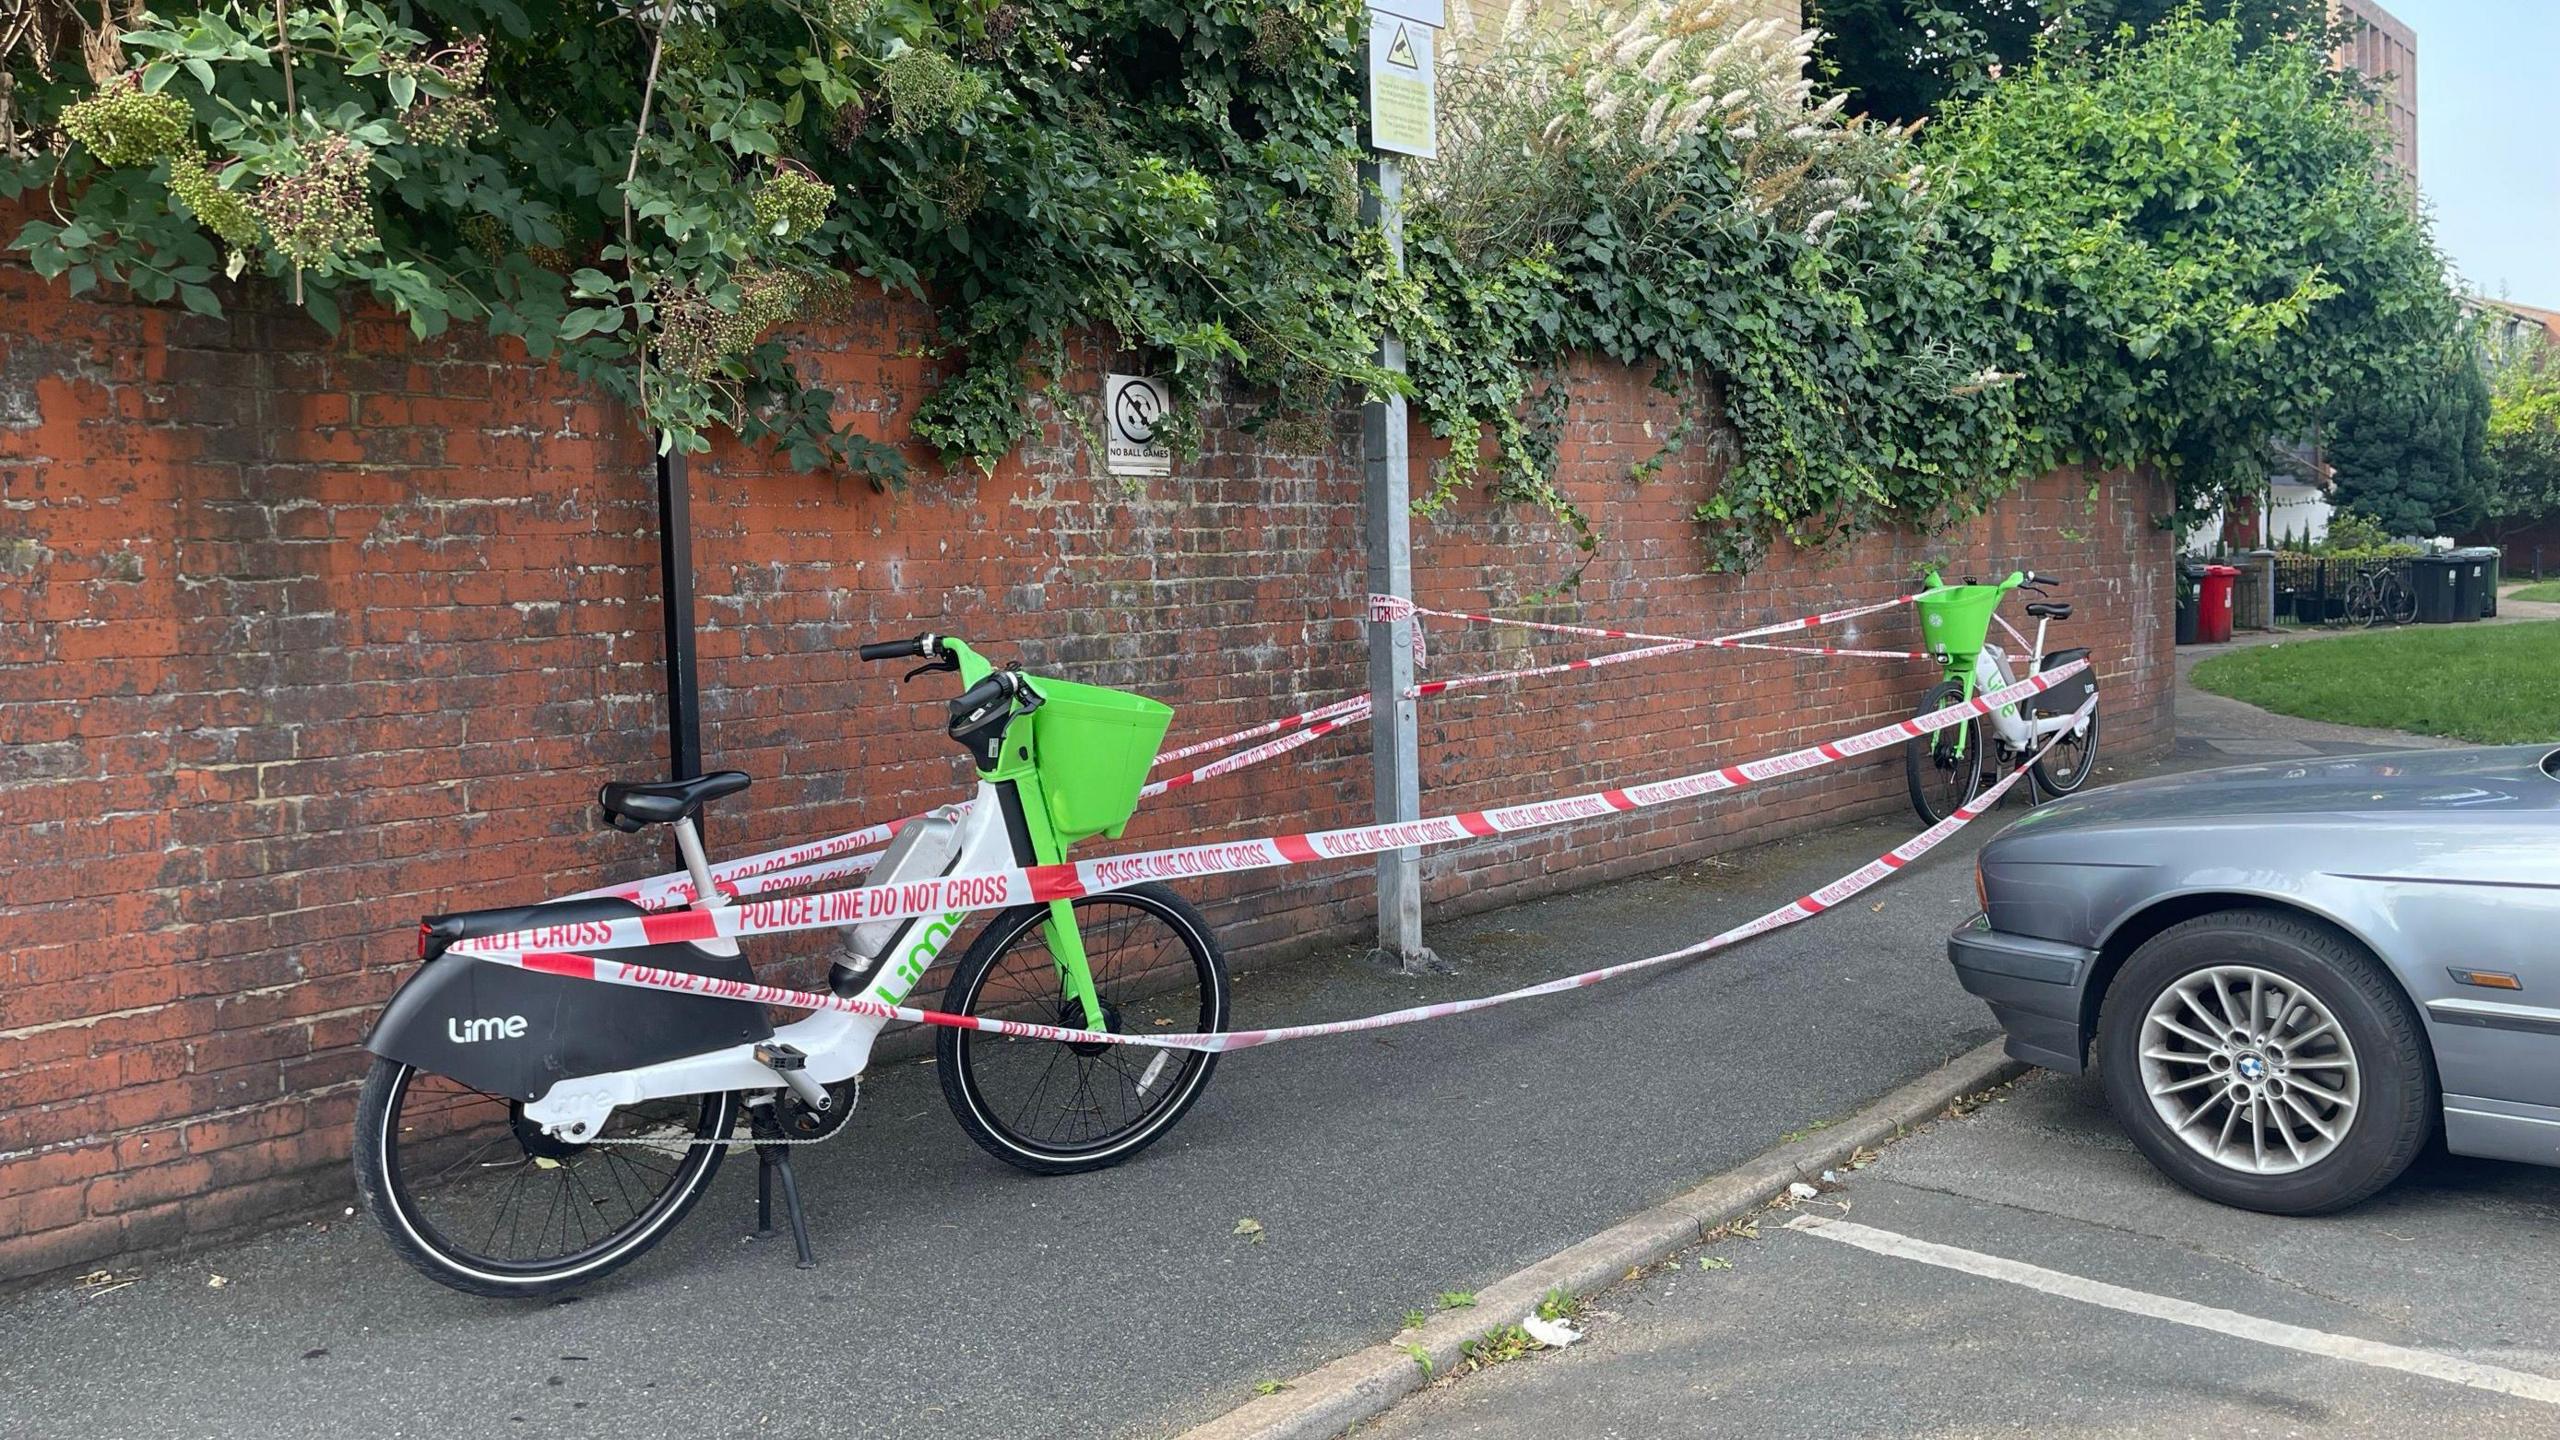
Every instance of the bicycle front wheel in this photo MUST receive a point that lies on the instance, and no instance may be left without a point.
(1944, 770)
(480, 1198)
(1056, 1109)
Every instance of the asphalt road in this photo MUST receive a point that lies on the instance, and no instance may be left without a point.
(1797, 1333)
(959, 1298)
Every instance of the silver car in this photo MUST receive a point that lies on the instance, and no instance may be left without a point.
(2289, 974)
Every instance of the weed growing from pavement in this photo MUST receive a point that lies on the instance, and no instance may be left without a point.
(1510, 1342)
(1416, 1319)
(1269, 1387)
(1457, 1299)
(1420, 1357)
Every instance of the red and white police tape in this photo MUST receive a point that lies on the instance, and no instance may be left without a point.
(1805, 907)
(1002, 888)
(836, 856)
(1396, 607)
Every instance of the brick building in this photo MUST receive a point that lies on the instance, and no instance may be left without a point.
(2387, 50)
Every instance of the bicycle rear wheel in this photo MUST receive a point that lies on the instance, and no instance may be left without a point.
(2399, 602)
(2066, 767)
(479, 1198)
(1944, 770)
(1056, 1109)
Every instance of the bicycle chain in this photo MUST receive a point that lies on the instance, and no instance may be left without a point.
(851, 1101)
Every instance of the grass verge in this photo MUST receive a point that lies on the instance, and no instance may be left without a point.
(2547, 590)
(2490, 684)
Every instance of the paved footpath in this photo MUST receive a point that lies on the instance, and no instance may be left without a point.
(2024, 1271)
(958, 1298)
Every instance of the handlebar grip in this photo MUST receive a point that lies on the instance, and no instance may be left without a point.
(895, 649)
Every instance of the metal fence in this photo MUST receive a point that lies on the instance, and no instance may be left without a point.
(2312, 589)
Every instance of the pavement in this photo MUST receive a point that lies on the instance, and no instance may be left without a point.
(2023, 1270)
(959, 1298)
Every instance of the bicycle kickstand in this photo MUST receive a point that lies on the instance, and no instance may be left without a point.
(773, 1157)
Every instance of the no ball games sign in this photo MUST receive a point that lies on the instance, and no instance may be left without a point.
(1403, 103)
(1133, 411)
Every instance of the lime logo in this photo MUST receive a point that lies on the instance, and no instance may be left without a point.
(1400, 51)
(495, 1027)
(911, 966)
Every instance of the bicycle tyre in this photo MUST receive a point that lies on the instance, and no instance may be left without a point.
(2060, 776)
(400, 1205)
(2399, 601)
(2363, 609)
(1939, 778)
(1178, 985)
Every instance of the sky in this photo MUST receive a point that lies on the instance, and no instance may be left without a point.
(2489, 139)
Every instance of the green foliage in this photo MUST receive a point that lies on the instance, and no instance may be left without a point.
(2357, 539)
(2409, 455)
(1903, 59)
(650, 196)
(2175, 250)
(2521, 466)
(2189, 253)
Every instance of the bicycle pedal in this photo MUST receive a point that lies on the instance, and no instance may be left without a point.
(781, 1055)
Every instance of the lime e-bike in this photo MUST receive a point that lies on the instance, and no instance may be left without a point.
(1946, 769)
(523, 1132)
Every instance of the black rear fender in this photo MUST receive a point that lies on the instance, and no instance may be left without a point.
(515, 1032)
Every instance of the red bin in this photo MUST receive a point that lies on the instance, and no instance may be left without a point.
(2213, 604)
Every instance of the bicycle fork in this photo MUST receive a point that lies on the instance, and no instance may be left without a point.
(1026, 817)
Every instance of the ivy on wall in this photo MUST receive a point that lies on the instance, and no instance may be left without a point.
(2174, 250)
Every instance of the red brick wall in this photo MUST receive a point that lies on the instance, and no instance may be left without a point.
(300, 638)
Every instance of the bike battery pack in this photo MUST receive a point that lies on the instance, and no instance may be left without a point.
(926, 848)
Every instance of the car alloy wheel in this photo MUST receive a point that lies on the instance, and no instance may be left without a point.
(2249, 1069)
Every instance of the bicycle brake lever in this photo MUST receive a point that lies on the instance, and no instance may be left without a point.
(947, 664)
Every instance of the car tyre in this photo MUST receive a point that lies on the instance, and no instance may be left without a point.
(2395, 1111)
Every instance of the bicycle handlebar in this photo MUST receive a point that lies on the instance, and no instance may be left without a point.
(917, 648)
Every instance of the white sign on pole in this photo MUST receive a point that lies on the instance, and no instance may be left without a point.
(1133, 411)
(1404, 111)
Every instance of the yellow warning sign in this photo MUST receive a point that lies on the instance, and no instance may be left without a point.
(1403, 108)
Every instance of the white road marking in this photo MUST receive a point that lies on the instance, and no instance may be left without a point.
(2496, 1379)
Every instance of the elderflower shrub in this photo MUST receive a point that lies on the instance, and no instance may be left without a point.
(790, 204)
(124, 125)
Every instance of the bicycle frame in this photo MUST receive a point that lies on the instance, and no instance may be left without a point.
(1989, 671)
(1007, 825)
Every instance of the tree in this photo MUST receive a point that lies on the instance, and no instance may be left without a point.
(1902, 59)
(2522, 463)
(2410, 457)
(2191, 253)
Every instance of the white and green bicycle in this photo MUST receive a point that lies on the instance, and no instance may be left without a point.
(1949, 768)
(521, 1132)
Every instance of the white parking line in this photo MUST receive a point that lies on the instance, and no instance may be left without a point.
(2181, 1312)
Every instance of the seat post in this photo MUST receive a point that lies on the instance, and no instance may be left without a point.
(698, 865)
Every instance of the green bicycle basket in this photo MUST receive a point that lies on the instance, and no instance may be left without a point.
(1095, 748)
(1956, 619)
